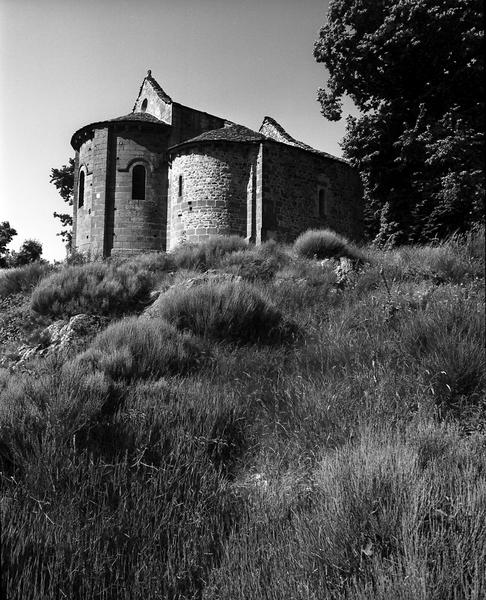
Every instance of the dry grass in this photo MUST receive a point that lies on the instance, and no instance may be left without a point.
(141, 348)
(95, 288)
(349, 464)
(228, 311)
(324, 243)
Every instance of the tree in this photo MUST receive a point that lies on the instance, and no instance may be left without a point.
(63, 179)
(6, 235)
(30, 251)
(414, 69)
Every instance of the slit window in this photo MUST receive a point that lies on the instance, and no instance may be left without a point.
(138, 182)
(322, 203)
(180, 186)
(144, 105)
(81, 190)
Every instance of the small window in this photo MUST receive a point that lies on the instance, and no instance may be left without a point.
(180, 186)
(322, 203)
(81, 190)
(144, 105)
(138, 182)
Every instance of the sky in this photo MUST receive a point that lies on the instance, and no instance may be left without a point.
(68, 63)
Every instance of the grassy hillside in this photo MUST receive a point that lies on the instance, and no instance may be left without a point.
(248, 423)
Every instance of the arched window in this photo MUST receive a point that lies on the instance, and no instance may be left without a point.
(322, 203)
(138, 182)
(180, 186)
(81, 189)
(144, 105)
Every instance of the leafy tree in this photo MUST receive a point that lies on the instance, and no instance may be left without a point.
(63, 179)
(415, 71)
(30, 251)
(6, 235)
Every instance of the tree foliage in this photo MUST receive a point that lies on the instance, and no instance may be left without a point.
(29, 252)
(415, 71)
(7, 234)
(63, 179)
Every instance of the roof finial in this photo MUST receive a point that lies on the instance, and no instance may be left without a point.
(149, 73)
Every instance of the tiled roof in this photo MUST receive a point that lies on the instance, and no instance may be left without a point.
(139, 116)
(76, 139)
(274, 131)
(233, 133)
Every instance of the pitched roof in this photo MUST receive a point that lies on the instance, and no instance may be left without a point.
(232, 133)
(156, 87)
(274, 131)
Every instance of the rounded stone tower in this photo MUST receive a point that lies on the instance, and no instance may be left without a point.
(120, 189)
(212, 184)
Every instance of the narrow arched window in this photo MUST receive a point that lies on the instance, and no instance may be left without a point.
(322, 203)
(180, 186)
(144, 105)
(81, 190)
(138, 182)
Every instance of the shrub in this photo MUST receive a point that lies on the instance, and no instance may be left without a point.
(207, 254)
(153, 262)
(259, 263)
(95, 288)
(323, 243)
(22, 279)
(141, 348)
(230, 311)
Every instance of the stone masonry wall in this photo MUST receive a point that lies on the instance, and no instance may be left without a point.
(188, 123)
(216, 184)
(292, 179)
(140, 225)
(89, 220)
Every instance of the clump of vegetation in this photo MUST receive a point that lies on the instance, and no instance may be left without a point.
(259, 263)
(22, 279)
(206, 254)
(153, 262)
(231, 311)
(349, 463)
(324, 243)
(96, 288)
(140, 348)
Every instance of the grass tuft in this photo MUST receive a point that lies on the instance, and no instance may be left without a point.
(229, 311)
(95, 288)
(323, 243)
(22, 279)
(207, 254)
(141, 348)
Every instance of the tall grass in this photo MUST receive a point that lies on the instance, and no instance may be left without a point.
(324, 243)
(95, 288)
(229, 311)
(349, 464)
(141, 348)
(207, 254)
(22, 279)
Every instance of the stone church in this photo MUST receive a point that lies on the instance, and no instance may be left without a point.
(166, 174)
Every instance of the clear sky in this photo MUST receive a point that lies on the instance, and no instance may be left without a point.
(67, 63)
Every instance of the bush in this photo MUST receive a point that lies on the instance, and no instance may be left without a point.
(22, 279)
(96, 288)
(323, 243)
(230, 311)
(141, 348)
(207, 254)
(153, 262)
(257, 263)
